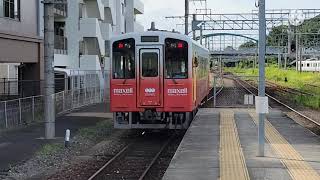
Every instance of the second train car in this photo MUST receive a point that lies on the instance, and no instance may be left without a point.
(158, 80)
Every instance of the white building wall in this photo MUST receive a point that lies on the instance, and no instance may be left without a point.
(101, 19)
(120, 13)
(73, 33)
(129, 16)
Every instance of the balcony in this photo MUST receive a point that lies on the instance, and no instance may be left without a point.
(94, 9)
(138, 7)
(109, 11)
(62, 60)
(60, 45)
(90, 28)
(101, 9)
(61, 10)
(106, 30)
(90, 62)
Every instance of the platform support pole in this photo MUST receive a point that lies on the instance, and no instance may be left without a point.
(262, 52)
(214, 91)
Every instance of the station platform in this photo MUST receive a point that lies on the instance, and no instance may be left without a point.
(223, 144)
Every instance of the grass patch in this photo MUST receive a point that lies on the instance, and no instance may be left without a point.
(50, 149)
(95, 133)
(306, 82)
(102, 129)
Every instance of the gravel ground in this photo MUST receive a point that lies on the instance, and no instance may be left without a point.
(88, 163)
(53, 158)
(232, 95)
(160, 166)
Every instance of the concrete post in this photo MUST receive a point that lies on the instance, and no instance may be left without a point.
(297, 51)
(194, 32)
(49, 107)
(289, 40)
(221, 64)
(201, 35)
(186, 17)
(6, 113)
(33, 117)
(279, 61)
(129, 13)
(262, 52)
(285, 61)
(20, 112)
(214, 91)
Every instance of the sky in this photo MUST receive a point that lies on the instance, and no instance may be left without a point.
(157, 10)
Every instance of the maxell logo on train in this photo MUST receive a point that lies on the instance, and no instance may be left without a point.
(183, 91)
(123, 91)
(150, 90)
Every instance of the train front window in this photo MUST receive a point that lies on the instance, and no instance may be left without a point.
(150, 64)
(123, 61)
(176, 61)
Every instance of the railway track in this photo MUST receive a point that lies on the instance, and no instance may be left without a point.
(288, 90)
(135, 160)
(275, 102)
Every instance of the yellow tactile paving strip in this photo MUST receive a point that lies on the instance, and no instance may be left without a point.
(297, 167)
(232, 161)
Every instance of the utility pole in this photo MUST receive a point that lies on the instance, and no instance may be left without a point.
(194, 32)
(261, 104)
(186, 17)
(298, 50)
(201, 34)
(49, 104)
(289, 38)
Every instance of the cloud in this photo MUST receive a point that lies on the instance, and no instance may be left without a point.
(156, 10)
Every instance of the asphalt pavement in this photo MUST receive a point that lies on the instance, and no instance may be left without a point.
(17, 146)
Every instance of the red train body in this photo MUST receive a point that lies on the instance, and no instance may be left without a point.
(158, 80)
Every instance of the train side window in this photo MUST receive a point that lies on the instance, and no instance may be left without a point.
(123, 61)
(308, 65)
(150, 65)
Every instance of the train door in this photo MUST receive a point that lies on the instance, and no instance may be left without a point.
(150, 73)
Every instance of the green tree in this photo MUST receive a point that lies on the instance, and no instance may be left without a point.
(248, 44)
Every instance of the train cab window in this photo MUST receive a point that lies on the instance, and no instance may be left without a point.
(150, 66)
(123, 61)
(176, 59)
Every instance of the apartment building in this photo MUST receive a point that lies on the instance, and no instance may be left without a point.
(82, 32)
(83, 29)
(21, 44)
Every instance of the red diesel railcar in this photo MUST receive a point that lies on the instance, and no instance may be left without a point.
(158, 80)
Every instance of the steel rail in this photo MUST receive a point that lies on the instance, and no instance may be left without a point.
(155, 158)
(97, 173)
(216, 94)
(283, 104)
(109, 162)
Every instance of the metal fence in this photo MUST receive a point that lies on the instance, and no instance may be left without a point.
(30, 110)
(88, 88)
(19, 88)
